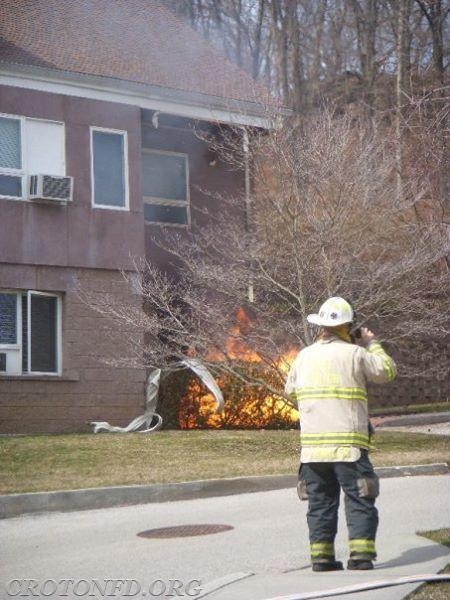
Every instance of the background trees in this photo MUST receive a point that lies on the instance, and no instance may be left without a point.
(301, 47)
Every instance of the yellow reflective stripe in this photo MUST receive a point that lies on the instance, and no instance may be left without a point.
(341, 393)
(337, 434)
(331, 397)
(322, 545)
(331, 394)
(358, 443)
(389, 370)
(362, 545)
(334, 439)
(374, 346)
(387, 366)
(319, 549)
(377, 349)
(332, 387)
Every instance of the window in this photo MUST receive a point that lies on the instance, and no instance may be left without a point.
(11, 172)
(165, 184)
(30, 336)
(8, 318)
(28, 147)
(109, 169)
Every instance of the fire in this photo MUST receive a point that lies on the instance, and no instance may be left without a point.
(249, 407)
(235, 347)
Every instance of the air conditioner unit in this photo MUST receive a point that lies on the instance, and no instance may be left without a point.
(10, 362)
(51, 188)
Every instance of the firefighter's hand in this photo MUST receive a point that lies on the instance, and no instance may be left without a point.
(367, 336)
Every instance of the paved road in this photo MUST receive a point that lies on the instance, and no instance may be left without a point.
(268, 539)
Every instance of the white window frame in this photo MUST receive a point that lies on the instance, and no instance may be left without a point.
(165, 201)
(19, 321)
(23, 172)
(56, 373)
(18, 344)
(124, 134)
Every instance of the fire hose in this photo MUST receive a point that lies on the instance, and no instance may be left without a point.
(152, 390)
(362, 587)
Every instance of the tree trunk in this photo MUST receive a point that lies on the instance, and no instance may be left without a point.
(256, 54)
(436, 14)
(399, 82)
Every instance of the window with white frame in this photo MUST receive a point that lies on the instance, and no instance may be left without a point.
(109, 169)
(30, 333)
(165, 183)
(28, 146)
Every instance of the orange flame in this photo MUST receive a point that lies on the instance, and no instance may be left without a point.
(256, 407)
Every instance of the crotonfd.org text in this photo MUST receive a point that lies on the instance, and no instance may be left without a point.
(99, 588)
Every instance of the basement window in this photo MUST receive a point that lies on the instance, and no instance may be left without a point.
(165, 183)
(30, 333)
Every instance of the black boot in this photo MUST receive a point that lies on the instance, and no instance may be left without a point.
(329, 565)
(359, 564)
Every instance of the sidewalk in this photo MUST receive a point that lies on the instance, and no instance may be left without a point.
(432, 423)
(411, 420)
(303, 583)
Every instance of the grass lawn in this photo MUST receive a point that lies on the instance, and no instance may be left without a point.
(434, 591)
(67, 461)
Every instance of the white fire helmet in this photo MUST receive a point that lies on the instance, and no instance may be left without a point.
(334, 311)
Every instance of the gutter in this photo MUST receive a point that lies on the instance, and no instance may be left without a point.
(152, 97)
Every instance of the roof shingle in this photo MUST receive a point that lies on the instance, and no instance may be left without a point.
(133, 40)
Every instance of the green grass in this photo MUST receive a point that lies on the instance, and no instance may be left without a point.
(441, 536)
(55, 462)
(411, 409)
(434, 591)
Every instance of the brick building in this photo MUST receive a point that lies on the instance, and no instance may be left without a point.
(100, 96)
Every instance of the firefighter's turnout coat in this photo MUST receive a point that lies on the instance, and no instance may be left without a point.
(328, 380)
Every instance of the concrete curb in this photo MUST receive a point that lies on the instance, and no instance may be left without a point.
(15, 505)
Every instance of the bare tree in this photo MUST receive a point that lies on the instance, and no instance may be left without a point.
(306, 48)
(324, 221)
(436, 13)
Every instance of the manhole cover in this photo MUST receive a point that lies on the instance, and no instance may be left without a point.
(183, 531)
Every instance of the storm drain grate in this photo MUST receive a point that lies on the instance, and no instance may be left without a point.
(184, 531)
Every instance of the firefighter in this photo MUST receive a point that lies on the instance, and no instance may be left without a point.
(328, 380)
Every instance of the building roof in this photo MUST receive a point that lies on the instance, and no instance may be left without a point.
(139, 41)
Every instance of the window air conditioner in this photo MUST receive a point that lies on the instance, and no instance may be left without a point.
(10, 362)
(51, 188)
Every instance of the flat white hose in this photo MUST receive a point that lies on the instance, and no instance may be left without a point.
(361, 587)
(152, 399)
(146, 419)
(202, 372)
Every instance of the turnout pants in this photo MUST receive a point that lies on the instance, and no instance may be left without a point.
(320, 483)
